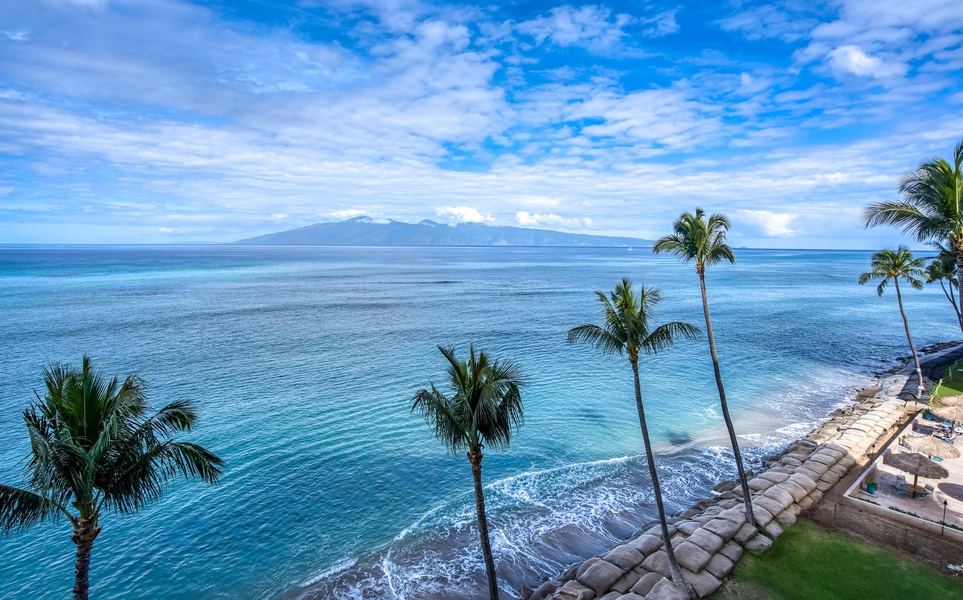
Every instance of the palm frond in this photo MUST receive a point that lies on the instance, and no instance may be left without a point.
(21, 508)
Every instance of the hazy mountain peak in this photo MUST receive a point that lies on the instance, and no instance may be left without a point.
(366, 231)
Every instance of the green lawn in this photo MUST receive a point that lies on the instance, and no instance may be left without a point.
(809, 563)
(952, 381)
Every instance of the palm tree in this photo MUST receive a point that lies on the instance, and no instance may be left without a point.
(943, 268)
(627, 329)
(95, 448)
(931, 208)
(704, 242)
(898, 264)
(484, 408)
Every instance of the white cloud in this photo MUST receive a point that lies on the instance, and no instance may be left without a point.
(773, 224)
(348, 213)
(589, 26)
(851, 59)
(463, 214)
(526, 219)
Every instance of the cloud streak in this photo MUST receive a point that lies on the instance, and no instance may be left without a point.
(170, 121)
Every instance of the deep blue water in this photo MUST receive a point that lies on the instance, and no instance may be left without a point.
(303, 362)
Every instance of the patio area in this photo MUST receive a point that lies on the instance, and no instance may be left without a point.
(895, 486)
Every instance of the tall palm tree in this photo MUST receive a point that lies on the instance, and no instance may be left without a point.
(95, 448)
(627, 329)
(931, 208)
(703, 241)
(943, 268)
(484, 408)
(898, 264)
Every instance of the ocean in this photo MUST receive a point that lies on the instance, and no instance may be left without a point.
(303, 362)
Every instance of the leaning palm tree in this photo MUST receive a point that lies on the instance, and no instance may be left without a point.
(627, 329)
(931, 208)
(943, 269)
(898, 264)
(484, 408)
(704, 242)
(96, 448)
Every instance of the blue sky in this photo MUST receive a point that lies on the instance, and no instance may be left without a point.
(156, 121)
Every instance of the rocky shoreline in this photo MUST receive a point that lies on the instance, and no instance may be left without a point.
(710, 537)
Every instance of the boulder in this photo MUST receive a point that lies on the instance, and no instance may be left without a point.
(794, 490)
(573, 590)
(666, 590)
(646, 543)
(646, 583)
(704, 583)
(600, 576)
(723, 527)
(705, 539)
(585, 566)
(628, 580)
(758, 545)
(720, 566)
(691, 556)
(624, 557)
(787, 518)
(657, 562)
(805, 482)
(731, 550)
(687, 527)
(545, 590)
(773, 530)
(746, 532)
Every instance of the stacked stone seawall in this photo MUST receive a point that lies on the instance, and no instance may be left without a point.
(710, 538)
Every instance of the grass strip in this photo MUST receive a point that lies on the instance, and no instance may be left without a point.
(810, 563)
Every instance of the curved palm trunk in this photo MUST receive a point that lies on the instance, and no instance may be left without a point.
(475, 458)
(85, 532)
(677, 577)
(743, 481)
(909, 338)
(952, 299)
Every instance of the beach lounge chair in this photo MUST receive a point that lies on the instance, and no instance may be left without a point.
(900, 481)
(899, 490)
(929, 488)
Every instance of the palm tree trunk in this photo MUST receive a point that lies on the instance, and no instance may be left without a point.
(85, 532)
(743, 481)
(958, 250)
(674, 570)
(475, 458)
(909, 338)
(952, 299)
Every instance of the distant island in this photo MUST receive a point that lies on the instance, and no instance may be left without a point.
(365, 231)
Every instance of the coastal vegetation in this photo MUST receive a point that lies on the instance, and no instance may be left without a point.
(895, 265)
(931, 208)
(627, 329)
(483, 409)
(809, 562)
(703, 241)
(95, 448)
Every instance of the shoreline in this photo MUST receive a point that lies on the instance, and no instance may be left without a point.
(711, 536)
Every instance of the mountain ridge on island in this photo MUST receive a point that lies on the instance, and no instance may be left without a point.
(365, 231)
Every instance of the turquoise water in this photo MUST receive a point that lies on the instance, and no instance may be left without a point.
(303, 362)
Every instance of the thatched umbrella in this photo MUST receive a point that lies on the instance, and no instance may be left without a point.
(953, 412)
(916, 465)
(956, 400)
(932, 446)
